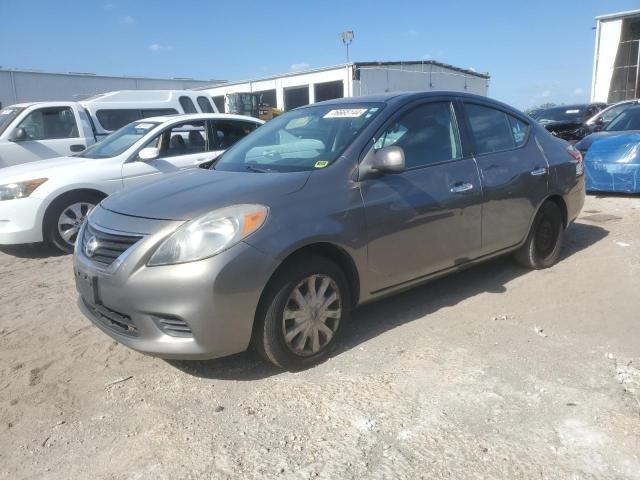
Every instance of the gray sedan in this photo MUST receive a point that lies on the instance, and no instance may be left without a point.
(321, 210)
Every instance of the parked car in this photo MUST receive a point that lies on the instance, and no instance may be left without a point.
(40, 130)
(604, 117)
(49, 199)
(568, 121)
(322, 209)
(612, 156)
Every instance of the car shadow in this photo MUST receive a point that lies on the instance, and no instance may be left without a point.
(381, 316)
(31, 250)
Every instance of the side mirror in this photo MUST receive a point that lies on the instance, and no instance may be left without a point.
(149, 153)
(388, 160)
(19, 135)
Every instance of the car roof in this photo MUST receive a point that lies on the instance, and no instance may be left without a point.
(199, 116)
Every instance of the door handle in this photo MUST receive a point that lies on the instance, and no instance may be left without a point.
(538, 171)
(77, 148)
(461, 187)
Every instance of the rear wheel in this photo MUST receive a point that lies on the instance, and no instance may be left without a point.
(64, 218)
(542, 248)
(301, 314)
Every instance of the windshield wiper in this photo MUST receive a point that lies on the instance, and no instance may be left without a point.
(258, 170)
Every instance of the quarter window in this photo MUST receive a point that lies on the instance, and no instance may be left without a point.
(50, 123)
(187, 105)
(494, 130)
(427, 134)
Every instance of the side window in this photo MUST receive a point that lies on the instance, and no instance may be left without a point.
(230, 131)
(50, 123)
(614, 112)
(158, 112)
(491, 128)
(519, 130)
(181, 139)
(205, 105)
(428, 134)
(113, 119)
(187, 105)
(219, 101)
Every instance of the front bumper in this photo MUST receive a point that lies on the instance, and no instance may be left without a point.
(214, 300)
(21, 221)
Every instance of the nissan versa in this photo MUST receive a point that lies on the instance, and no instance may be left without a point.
(323, 209)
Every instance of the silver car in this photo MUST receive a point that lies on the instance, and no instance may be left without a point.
(321, 210)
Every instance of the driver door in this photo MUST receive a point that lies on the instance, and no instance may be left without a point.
(182, 146)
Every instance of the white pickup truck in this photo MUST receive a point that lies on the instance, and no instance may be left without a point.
(41, 130)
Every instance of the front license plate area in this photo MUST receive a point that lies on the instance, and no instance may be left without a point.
(87, 286)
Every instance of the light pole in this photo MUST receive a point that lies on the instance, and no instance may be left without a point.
(347, 38)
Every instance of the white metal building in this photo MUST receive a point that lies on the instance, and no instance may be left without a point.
(294, 89)
(18, 86)
(616, 61)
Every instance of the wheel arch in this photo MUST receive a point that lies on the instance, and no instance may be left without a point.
(89, 192)
(562, 205)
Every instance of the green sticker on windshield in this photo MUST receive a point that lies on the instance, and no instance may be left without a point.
(321, 163)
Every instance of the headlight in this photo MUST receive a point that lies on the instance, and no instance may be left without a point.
(210, 234)
(11, 191)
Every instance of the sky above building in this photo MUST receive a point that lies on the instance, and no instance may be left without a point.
(535, 52)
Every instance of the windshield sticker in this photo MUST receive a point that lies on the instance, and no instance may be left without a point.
(145, 126)
(345, 113)
(321, 164)
(572, 111)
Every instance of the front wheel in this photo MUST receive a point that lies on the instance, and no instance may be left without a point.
(542, 248)
(64, 218)
(301, 314)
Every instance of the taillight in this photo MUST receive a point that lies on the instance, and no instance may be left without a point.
(577, 156)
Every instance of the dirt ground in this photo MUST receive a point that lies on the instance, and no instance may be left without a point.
(496, 372)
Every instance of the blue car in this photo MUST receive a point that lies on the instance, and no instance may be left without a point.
(612, 156)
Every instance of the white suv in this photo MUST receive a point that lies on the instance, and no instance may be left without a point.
(49, 199)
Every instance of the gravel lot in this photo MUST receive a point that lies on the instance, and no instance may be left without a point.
(496, 372)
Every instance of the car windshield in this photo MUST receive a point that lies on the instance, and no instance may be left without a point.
(119, 141)
(7, 115)
(558, 114)
(304, 139)
(627, 120)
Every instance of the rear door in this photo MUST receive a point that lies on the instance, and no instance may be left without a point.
(51, 132)
(427, 218)
(513, 170)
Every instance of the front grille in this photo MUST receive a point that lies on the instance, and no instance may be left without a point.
(117, 322)
(109, 246)
(175, 327)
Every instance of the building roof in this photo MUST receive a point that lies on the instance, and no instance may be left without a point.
(613, 16)
(356, 65)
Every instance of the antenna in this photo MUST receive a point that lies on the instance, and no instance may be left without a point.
(347, 38)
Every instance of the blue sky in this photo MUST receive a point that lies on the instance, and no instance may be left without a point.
(535, 51)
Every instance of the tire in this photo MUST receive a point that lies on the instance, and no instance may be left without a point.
(281, 313)
(75, 207)
(544, 242)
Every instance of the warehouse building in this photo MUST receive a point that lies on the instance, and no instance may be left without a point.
(18, 86)
(616, 65)
(295, 89)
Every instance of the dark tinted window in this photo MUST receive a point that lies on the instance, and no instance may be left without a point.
(627, 120)
(115, 119)
(158, 112)
(427, 134)
(50, 123)
(205, 105)
(230, 131)
(219, 102)
(187, 105)
(494, 130)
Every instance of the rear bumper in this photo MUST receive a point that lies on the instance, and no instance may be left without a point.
(213, 301)
(21, 221)
(574, 199)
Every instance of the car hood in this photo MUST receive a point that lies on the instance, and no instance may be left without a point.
(584, 144)
(38, 169)
(186, 195)
(622, 149)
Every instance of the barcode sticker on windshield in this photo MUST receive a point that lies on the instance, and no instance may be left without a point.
(345, 113)
(572, 111)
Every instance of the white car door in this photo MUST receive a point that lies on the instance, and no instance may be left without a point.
(47, 132)
(182, 146)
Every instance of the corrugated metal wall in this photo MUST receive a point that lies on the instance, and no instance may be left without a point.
(21, 86)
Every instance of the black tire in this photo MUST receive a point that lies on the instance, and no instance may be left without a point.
(544, 242)
(56, 209)
(268, 333)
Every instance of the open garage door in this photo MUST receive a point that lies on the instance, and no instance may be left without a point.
(329, 90)
(295, 97)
